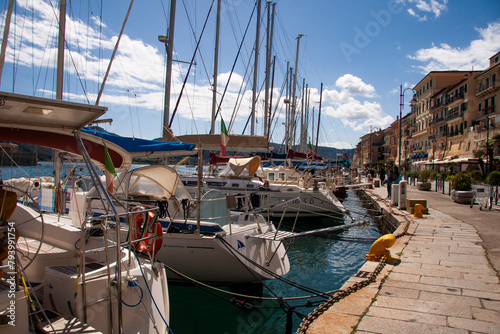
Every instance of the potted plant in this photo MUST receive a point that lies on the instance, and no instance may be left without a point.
(423, 179)
(462, 188)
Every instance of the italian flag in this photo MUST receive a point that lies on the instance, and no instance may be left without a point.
(224, 137)
(311, 153)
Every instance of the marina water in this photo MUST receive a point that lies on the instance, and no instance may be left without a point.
(322, 262)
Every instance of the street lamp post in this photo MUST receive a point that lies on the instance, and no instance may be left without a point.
(433, 151)
(488, 161)
(401, 106)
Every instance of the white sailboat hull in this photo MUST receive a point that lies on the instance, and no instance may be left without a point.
(224, 259)
(55, 267)
(304, 202)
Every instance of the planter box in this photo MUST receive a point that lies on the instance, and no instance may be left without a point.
(462, 197)
(425, 186)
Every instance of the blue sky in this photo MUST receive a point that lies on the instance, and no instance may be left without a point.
(361, 50)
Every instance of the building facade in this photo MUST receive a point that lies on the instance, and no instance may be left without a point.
(453, 116)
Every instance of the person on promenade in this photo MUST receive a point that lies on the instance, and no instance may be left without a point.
(382, 174)
(391, 178)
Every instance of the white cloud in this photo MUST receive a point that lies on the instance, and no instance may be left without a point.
(355, 86)
(355, 114)
(236, 83)
(445, 57)
(423, 7)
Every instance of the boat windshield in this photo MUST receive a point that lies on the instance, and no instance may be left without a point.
(214, 207)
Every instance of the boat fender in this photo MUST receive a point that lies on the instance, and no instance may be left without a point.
(153, 244)
(379, 249)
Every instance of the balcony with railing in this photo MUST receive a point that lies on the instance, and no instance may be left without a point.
(454, 115)
(487, 111)
(437, 104)
(453, 98)
(436, 121)
(436, 136)
(456, 133)
(486, 88)
(421, 133)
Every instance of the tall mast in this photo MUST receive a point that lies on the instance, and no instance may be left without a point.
(319, 116)
(270, 28)
(271, 100)
(302, 119)
(169, 46)
(287, 108)
(216, 68)
(255, 70)
(294, 100)
(60, 48)
(59, 83)
(306, 115)
(5, 36)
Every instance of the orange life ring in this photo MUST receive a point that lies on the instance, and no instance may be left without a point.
(153, 244)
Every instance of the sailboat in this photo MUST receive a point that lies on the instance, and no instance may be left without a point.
(92, 282)
(241, 176)
(71, 272)
(202, 239)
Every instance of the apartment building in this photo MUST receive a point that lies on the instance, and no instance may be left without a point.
(453, 110)
(453, 114)
(487, 122)
(370, 150)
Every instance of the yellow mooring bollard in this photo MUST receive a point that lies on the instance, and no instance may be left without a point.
(418, 211)
(379, 249)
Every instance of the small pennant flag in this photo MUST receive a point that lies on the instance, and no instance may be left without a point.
(311, 153)
(108, 162)
(224, 137)
(110, 168)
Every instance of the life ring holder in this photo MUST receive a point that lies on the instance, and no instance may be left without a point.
(30, 202)
(149, 230)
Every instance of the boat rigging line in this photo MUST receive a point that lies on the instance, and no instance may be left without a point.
(234, 64)
(190, 66)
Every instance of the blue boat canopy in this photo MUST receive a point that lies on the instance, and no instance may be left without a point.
(140, 148)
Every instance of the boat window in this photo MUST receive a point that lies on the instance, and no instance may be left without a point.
(235, 185)
(270, 176)
(181, 192)
(191, 183)
(281, 176)
(145, 186)
(214, 183)
(250, 186)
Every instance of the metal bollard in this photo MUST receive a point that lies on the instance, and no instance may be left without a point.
(402, 195)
